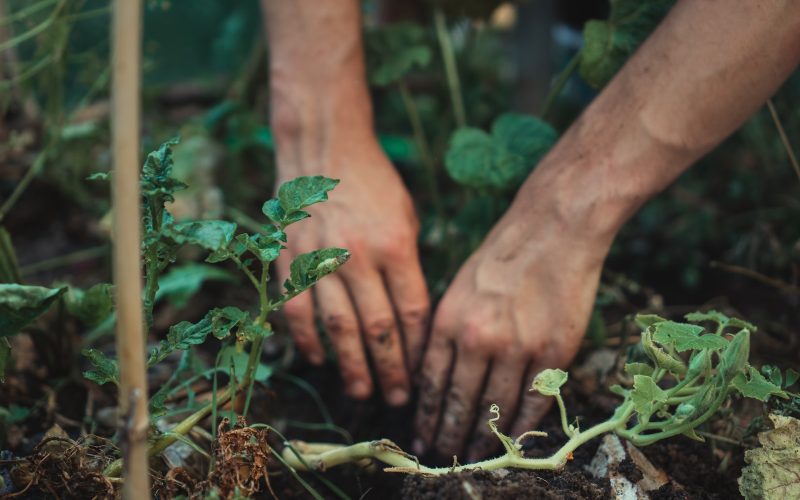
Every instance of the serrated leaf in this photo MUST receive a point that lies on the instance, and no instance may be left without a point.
(217, 322)
(608, 44)
(658, 356)
(394, 50)
(645, 320)
(91, 306)
(645, 394)
(633, 369)
(712, 315)
(503, 159)
(756, 386)
(156, 179)
(548, 382)
(306, 269)
(212, 235)
(181, 283)
(740, 323)
(295, 195)
(684, 337)
(773, 470)
(264, 248)
(105, 369)
(21, 304)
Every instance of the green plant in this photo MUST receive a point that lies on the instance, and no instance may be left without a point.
(686, 373)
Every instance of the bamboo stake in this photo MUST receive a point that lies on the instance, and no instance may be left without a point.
(126, 65)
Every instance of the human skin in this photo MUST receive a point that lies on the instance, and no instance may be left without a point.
(522, 301)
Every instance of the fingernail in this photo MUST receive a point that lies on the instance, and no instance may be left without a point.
(397, 397)
(359, 389)
(418, 447)
(316, 358)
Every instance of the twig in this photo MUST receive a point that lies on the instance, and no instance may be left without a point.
(558, 85)
(450, 68)
(32, 172)
(767, 280)
(784, 138)
(65, 260)
(126, 74)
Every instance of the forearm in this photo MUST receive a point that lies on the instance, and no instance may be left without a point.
(701, 74)
(318, 92)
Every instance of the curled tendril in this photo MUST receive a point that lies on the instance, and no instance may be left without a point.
(511, 447)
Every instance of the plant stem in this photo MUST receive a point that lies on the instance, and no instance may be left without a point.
(256, 346)
(786, 144)
(450, 68)
(114, 469)
(422, 144)
(36, 168)
(563, 411)
(322, 457)
(65, 260)
(560, 83)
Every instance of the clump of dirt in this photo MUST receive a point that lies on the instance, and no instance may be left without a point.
(505, 484)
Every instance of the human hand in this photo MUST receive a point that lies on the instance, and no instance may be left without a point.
(520, 304)
(377, 303)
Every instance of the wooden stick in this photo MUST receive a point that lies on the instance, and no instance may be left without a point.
(126, 66)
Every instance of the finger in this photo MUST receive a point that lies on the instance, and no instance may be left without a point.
(299, 313)
(433, 379)
(380, 332)
(503, 389)
(341, 324)
(533, 406)
(409, 294)
(465, 387)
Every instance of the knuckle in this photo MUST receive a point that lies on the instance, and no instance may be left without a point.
(338, 324)
(414, 315)
(379, 328)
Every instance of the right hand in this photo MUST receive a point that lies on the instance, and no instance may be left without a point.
(377, 303)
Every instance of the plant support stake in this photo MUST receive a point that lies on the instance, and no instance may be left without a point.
(126, 46)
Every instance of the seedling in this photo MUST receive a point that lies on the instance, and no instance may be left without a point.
(684, 374)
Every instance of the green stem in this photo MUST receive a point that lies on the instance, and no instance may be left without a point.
(22, 13)
(114, 469)
(66, 260)
(255, 348)
(450, 68)
(247, 272)
(560, 83)
(321, 457)
(784, 139)
(563, 410)
(38, 165)
(422, 144)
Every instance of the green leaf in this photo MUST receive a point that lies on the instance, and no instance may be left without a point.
(792, 376)
(217, 322)
(295, 195)
(548, 382)
(645, 394)
(608, 44)
(685, 337)
(212, 235)
(756, 386)
(740, 323)
(712, 315)
(157, 183)
(264, 248)
(773, 469)
(503, 159)
(91, 306)
(21, 304)
(105, 369)
(306, 269)
(645, 320)
(634, 369)
(658, 356)
(230, 355)
(394, 50)
(181, 283)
